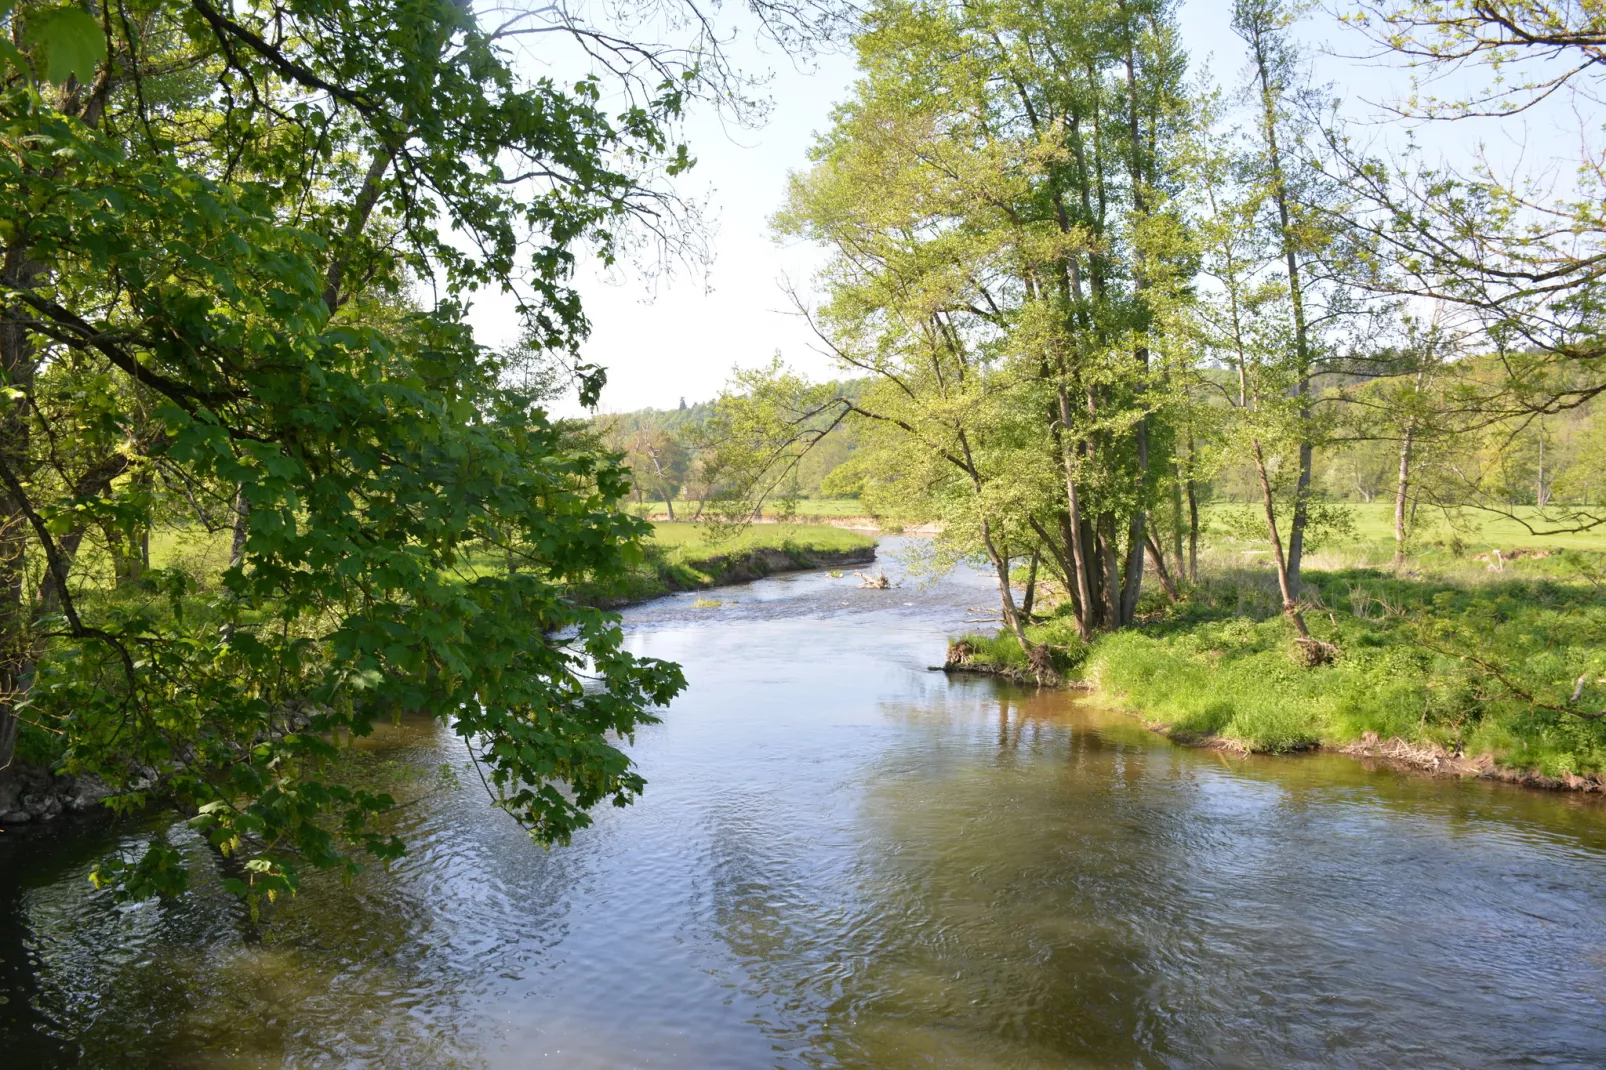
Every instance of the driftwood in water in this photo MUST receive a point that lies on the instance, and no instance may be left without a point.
(877, 582)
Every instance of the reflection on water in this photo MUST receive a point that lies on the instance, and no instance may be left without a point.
(846, 860)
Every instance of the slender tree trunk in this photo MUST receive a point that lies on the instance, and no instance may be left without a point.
(1132, 582)
(242, 515)
(1193, 533)
(1177, 524)
(17, 366)
(1031, 583)
(1301, 515)
(1132, 587)
(1289, 592)
(1109, 555)
(1193, 517)
(1158, 557)
(1006, 597)
(1082, 595)
(1541, 492)
(1270, 100)
(1137, 528)
(1401, 490)
(1060, 561)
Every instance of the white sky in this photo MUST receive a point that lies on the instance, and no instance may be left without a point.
(681, 337)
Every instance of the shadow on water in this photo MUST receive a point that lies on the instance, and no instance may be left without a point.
(846, 860)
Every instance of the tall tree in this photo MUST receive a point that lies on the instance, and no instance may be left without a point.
(236, 245)
(998, 199)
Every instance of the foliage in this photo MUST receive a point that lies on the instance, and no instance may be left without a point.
(213, 224)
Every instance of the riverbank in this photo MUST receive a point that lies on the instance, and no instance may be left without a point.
(679, 557)
(1463, 673)
(851, 522)
(693, 557)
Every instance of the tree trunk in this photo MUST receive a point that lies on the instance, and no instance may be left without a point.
(242, 514)
(1270, 103)
(1031, 583)
(1137, 527)
(1193, 533)
(1158, 557)
(1541, 492)
(1132, 582)
(1082, 596)
(17, 366)
(1401, 490)
(1297, 523)
(1176, 523)
(1006, 598)
(1289, 592)
(1110, 559)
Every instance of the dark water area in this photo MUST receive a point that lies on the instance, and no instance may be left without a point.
(846, 860)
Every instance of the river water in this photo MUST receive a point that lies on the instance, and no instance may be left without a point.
(846, 860)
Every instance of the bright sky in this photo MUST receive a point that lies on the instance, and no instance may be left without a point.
(680, 338)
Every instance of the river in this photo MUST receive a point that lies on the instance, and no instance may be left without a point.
(846, 860)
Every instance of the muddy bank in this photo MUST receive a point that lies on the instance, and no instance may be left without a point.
(1432, 759)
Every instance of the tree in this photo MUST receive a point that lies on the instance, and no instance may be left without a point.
(1516, 255)
(997, 197)
(220, 223)
(1275, 296)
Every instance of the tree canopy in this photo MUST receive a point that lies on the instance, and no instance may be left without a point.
(239, 240)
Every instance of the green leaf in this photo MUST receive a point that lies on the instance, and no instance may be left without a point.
(64, 40)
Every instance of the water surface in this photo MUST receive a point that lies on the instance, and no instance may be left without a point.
(846, 860)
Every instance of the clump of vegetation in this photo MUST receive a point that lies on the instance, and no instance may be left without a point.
(233, 302)
(1067, 653)
(1509, 665)
(707, 603)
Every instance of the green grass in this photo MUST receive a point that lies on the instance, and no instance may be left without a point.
(1422, 654)
(1434, 533)
(688, 557)
(806, 507)
(702, 540)
(1406, 668)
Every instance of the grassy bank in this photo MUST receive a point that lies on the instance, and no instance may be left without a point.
(678, 557)
(1451, 658)
(690, 557)
(803, 509)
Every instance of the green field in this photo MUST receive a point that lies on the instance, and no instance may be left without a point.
(1434, 536)
(688, 557)
(701, 540)
(805, 507)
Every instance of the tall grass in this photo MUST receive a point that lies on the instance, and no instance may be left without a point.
(1450, 661)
